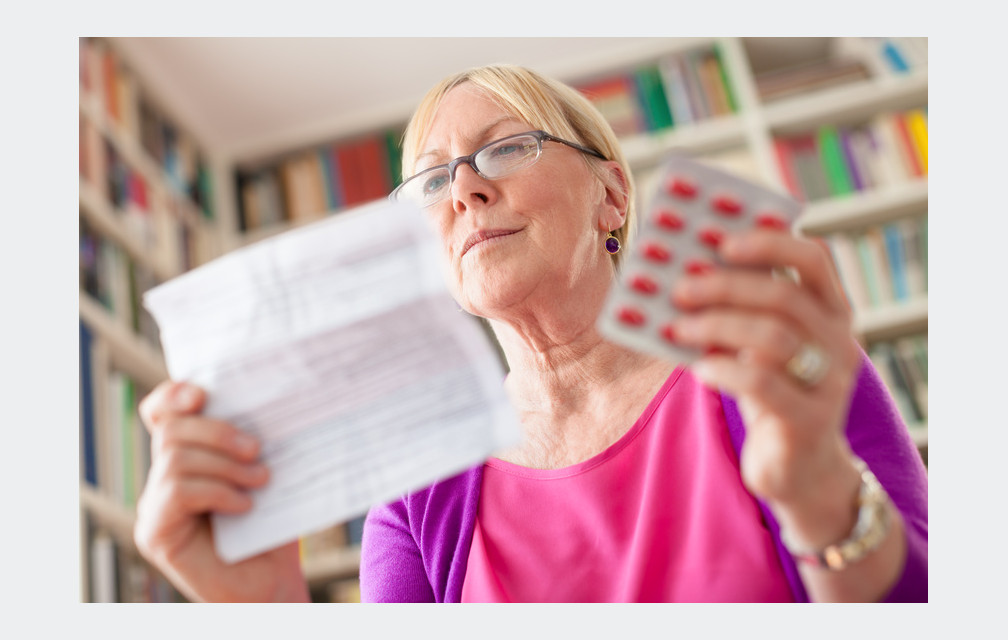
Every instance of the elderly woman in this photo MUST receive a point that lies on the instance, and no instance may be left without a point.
(636, 480)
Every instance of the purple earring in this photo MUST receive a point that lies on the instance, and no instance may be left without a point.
(612, 244)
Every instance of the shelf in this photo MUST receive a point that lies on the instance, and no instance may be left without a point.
(865, 208)
(110, 224)
(646, 149)
(108, 514)
(892, 320)
(849, 103)
(332, 565)
(919, 433)
(138, 159)
(128, 351)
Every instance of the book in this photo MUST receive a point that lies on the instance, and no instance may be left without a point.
(862, 157)
(845, 256)
(103, 569)
(785, 162)
(710, 79)
(916, 124)
(878, 262)
(726, 84)
(896, 259)
(394, 155)
(807, 161)
(89, 463)
(915, 272)
(348, 161)
(615, 97)
(831, 156)
(884, 359)
(907, 351)
(850, 160)
(695, 88)
(868, 269)
(674, 80)
(889, 152)
(652, 96)
(906, 143)
(333, 194)
(373, 158)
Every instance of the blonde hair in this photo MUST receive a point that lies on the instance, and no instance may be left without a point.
(545, 104)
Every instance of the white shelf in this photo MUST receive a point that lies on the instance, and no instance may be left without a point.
(129, 352)
(893, 319)
(865, 208)
(850, 102)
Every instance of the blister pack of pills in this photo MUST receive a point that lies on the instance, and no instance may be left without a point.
(694, 207)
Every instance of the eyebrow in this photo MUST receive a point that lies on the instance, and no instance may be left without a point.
(479, 138)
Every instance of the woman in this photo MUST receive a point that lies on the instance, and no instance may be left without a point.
(636, 480)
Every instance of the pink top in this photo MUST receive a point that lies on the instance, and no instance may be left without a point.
(660, 516)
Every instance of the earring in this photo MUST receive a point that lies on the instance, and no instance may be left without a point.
(612, 243)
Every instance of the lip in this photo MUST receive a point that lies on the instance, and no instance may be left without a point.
(483, 235)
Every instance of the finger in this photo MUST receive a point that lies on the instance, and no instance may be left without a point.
(760, 292)
(197, 431)
(766, 338)
(186, 496)
(170, 398)
(772, 249)
(192, 462)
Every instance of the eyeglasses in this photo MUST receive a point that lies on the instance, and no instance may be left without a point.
(494, 160)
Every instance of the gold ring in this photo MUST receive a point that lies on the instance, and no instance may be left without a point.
(809, 365)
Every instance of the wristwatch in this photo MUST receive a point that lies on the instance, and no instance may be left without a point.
(869, 530)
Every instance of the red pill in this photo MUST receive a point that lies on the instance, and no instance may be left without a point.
(668, 332)
(644, 284)
(656, 253)
(727, 205)
(698, 267)
(711, 236)
(682, 188)
(771, 221)
(669, 220)
(630, 316)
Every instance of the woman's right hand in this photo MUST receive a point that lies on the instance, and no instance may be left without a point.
(200, 465)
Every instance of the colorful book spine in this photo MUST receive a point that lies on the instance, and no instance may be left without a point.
(674, 79)
(652, 96)
(832, 157)
(916, 123)
(726, 84)
(89, 463)
(896, 259)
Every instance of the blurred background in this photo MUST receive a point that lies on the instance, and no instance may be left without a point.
(193, 147)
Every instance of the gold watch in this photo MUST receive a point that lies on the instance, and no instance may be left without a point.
(869, 530)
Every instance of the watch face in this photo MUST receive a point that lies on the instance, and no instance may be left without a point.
(834, 559)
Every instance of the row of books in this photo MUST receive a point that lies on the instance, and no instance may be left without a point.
(882, 264)
(831, 161)
(115, 447)
(677, 89)
(116, 574)
(902, 365)
(311, 183)
(111, 277)
(112, 90)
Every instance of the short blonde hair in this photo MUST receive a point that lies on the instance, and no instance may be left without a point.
(545, 104)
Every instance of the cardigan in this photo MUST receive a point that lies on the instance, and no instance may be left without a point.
(416, 548)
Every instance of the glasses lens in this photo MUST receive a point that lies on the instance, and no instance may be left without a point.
(426, 187)
(508, 155)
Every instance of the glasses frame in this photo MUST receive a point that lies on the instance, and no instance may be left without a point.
(540, 137)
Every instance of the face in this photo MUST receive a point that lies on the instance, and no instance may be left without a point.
(530, 237)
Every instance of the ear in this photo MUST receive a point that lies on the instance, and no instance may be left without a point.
(617, 187)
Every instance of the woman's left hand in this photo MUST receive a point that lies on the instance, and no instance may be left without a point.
(751, 323)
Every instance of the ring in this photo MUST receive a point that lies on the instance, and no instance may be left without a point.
(809, 365)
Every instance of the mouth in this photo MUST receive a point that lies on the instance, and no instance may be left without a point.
(483, 236)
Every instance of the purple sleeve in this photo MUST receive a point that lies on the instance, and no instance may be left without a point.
(391, 568)
(877, 434)
(416, 549)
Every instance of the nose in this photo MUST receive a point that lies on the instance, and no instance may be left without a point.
(467, 186)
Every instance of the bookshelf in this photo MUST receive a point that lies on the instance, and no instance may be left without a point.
(198, 204)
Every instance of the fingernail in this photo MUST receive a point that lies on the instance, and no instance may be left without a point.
(245, 442)
(185, 396)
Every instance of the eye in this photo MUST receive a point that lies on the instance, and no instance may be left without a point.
(435, 183)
